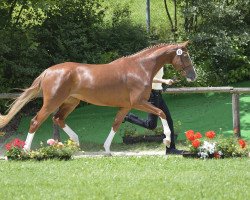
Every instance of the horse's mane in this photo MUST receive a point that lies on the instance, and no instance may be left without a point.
(149, 48)
(145, 50)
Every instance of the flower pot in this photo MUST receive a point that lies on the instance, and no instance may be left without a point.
(190, 155)
(142, 138)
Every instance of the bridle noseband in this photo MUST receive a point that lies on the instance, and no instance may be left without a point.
(179, 52)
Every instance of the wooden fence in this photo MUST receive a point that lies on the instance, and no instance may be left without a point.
(234, 91)
(235, 99)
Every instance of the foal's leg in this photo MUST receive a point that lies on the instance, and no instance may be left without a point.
(148, 107)
(118, 120)
(35, 123)
(64, 110)
(50, 104)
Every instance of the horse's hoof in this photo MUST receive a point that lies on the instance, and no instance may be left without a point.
(107, 154)
(26, 148)
(166, 142)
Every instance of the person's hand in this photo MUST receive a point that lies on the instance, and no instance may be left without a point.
(168, 81)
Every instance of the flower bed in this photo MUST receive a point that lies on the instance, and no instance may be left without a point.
(53, 150)
(214, 147)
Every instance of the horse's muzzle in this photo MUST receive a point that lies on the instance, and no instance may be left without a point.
(191, 76)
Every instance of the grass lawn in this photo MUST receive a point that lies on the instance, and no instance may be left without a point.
(149, 177)
(158, 14)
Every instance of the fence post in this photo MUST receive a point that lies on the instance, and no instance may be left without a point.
(236, 113)
(56, 132)
(148, 15)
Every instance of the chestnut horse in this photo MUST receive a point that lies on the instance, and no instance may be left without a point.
(125, 83)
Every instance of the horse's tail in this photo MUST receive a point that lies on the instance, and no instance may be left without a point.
(23, 99)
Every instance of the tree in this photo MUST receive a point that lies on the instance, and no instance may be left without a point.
(172, 20)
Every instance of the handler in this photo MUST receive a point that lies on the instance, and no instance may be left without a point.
(157, 100)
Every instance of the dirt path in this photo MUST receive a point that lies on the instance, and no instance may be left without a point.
(119, 153)
(115, 153)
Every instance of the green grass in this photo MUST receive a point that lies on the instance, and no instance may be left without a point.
(138, 12)
(126, 178)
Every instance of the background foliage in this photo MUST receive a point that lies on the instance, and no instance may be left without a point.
(36, 34)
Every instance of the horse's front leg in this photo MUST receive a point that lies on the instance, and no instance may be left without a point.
(117, 122)
(148, 107)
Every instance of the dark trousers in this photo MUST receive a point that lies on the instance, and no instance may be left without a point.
(151, 122)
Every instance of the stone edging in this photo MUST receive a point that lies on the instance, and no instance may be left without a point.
(114, 153)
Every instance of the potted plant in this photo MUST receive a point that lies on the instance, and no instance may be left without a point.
(132, 136)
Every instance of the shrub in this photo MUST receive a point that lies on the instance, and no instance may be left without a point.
(54, 150)
(53, 32)
(213, 147)
(15, 150)
(220, 40)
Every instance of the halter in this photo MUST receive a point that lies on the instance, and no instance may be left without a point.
(179, 52)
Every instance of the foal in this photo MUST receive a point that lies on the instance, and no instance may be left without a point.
(124, 83)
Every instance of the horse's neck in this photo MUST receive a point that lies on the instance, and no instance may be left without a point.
(157, 58)
(151, 59)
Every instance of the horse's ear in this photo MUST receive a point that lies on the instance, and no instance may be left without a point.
(184, 44)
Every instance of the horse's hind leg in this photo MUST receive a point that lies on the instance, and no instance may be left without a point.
(35, 123)
(64, 110)
(118, 120)
(148, 107)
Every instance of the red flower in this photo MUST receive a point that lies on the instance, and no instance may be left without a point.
(18, 143)
(8, 146)
(216, 155)
(196, 143)
(190, 135)
(210, 134)
(197, 135)
(242, 143)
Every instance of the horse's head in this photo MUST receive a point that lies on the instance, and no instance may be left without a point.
(183, 63)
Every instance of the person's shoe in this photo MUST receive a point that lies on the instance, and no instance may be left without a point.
(174, 151)
(129, 116)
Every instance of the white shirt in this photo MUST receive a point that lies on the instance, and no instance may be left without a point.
(159, 75)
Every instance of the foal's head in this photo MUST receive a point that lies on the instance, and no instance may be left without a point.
(183, 63)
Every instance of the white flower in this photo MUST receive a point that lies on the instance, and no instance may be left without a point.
(203, 154)
(208, 147)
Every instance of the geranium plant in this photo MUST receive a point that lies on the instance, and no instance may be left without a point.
(53, 150)
(14, 150)
(215, 147)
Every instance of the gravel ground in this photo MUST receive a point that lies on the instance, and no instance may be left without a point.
(115, 153)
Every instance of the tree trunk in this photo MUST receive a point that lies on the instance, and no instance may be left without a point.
(19, 14)
(13, 5)
(168, 14)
